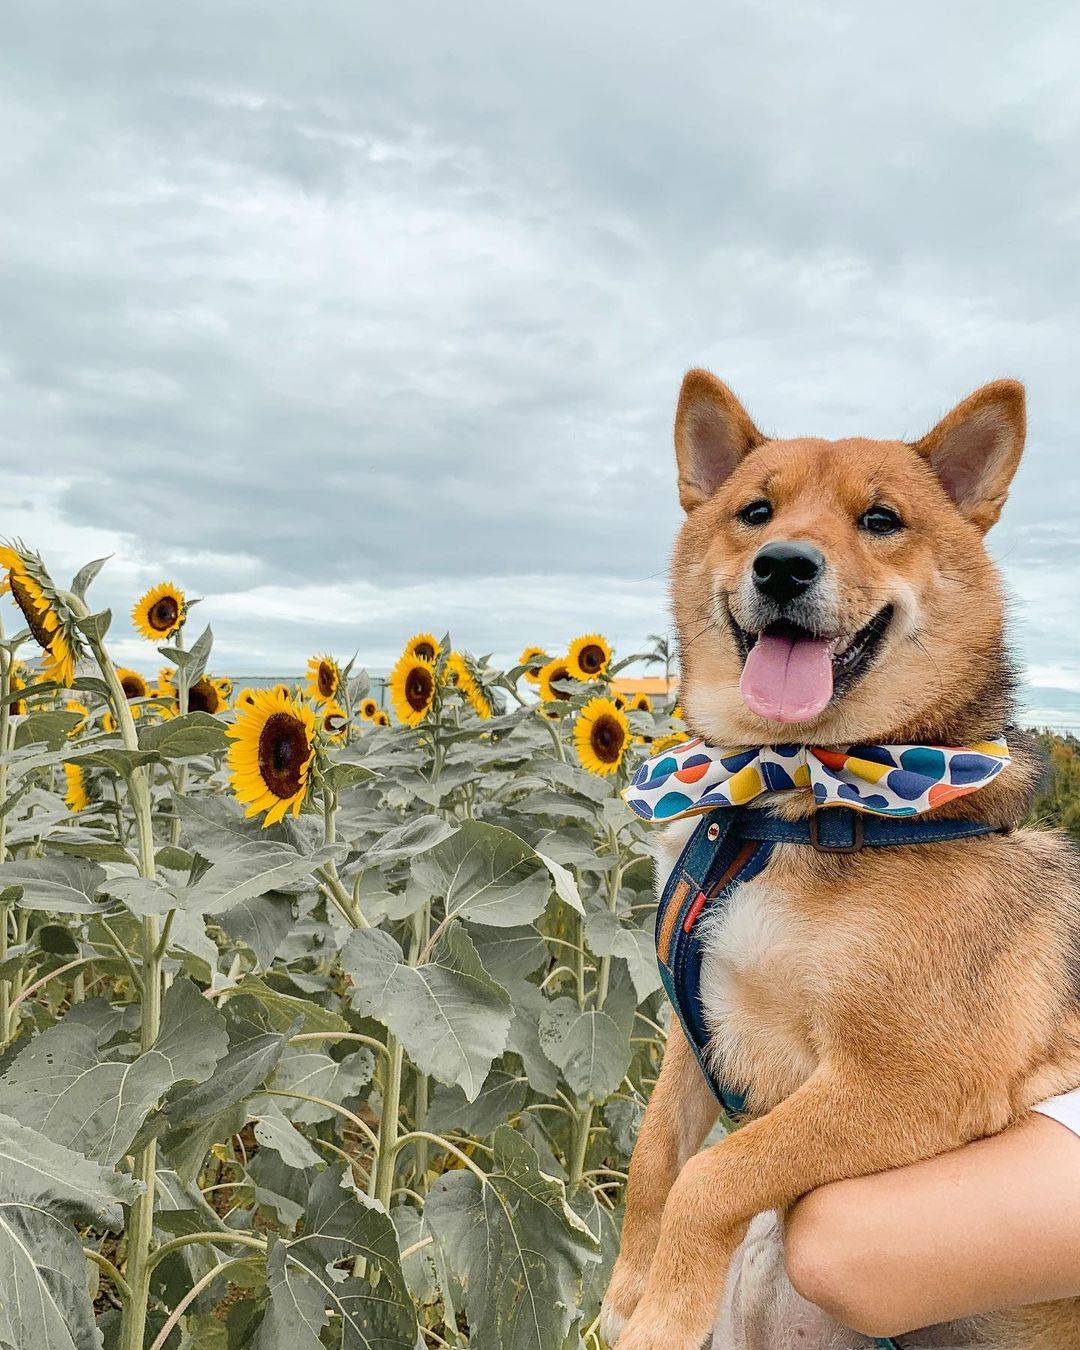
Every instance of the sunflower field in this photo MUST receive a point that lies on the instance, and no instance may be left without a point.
(321, 1023)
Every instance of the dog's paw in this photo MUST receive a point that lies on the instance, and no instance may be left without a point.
(611, 1323)
(624, 1291)
(650, 1330)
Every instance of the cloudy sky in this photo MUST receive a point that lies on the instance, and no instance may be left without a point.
(360, 318)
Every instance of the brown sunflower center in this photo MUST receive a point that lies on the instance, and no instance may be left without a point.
(327, 679)
(133, 687)
(425, 651)
(419, 687)
(606, 737)
(283, 750)
(163, 614)
(560, 673)
(203, 697)
(591, 658)
(32, 612)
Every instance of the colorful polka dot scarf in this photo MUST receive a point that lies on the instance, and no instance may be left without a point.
(885, 780)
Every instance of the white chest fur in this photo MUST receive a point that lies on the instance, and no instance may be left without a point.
(755, 989)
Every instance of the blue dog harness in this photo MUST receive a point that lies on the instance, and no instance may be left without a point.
(729, 847)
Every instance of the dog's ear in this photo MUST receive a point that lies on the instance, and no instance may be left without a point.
(713, 431)
(975, 449)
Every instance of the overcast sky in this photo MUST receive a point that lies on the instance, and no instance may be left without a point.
(361, 318)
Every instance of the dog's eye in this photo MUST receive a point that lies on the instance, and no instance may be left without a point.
(880, 520)
(757, 513)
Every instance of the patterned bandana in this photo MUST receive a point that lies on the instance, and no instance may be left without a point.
(885, 780)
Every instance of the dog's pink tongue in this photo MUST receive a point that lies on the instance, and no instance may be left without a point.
(788, 681)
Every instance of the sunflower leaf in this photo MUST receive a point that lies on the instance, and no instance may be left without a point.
(62, 885)
(589, 1046)
(516, 1246)
(95, 626)
(487, 873)
(84, 577)
(195, 733)
(450, 1015)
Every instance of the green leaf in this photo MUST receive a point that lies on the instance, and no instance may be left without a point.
(566, 887)
(339, 1225)
(251, 872)
(195, 733)
(589, 1047)
(343, 774)
(84, 577)
(502, 1097)
(261, 924)
(49, 728)
(408, 840)
(488, 874)
(317, 1074)
(516, 1245)
(285, 1010)
(95, 626)
(59, 885)
(273, 1129)
(509, 953)
(96, 1101)
(114, 759)
(450, 1015)
(606, 935)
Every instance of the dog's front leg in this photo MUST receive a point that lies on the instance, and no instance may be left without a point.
(680, 1113)
(834, 1126)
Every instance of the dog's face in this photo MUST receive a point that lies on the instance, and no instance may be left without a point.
(836, 591)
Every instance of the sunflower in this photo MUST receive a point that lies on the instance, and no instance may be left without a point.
(461, 677)
(662, 743)
(245, 698)
(17, 706)
(333, 723)
(51, 622)
(109, 723)
(160, 613)
(412, 689)
(601, 735)
(205, 696)
(424, 645)
(532, 658)
(132, 683)
(76, 797)
(619, 702)
(271, 754)
(224, 686)
(559, 669)
(369, 708)
(323, 679)
(381, 718)
(588, 656)
(641, 703)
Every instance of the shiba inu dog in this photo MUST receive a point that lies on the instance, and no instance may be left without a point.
(879, 1006)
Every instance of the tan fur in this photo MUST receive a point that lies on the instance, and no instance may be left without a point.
(880, 1007)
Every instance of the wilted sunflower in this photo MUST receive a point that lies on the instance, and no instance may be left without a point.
(132, 683)
(559, 669)
(51, 622)
(381, 718)
(333, 722)
(76, 797)
(412, 689)
(532, 658)
(369, 707)
(641, 703)
(424, 645)
(324, 679)
(588, 656)
(273, 744)
(160, 613)
(205, 696)
(461, 677)
(601, 735)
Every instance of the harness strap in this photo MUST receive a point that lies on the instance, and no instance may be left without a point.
(730, 846)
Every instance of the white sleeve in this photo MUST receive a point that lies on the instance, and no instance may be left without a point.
(1065, 1109)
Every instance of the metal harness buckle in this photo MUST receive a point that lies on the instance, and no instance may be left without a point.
(858, 834)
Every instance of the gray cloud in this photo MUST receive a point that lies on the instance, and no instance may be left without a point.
(379, 311)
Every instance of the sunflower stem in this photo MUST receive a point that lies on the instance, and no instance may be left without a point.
(141, 1215)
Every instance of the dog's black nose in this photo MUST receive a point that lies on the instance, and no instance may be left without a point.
(783, 570)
